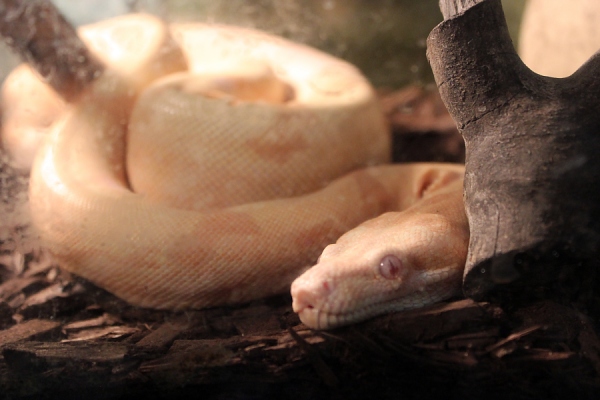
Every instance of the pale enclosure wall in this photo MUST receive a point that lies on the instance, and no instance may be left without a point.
(557, 36)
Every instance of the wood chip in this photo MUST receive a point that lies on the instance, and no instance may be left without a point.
(15, 285)
(51, 292)
(511, 338)
(106, 352)
(26, 330)
(164, 334)
(40, 265)
(191, 354)
(109, 332)
(104, 319)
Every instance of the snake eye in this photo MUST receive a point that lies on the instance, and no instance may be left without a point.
(391, 267)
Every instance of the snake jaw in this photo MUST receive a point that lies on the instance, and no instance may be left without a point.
(326, 312)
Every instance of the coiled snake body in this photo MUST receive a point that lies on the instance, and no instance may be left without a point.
(211, 165)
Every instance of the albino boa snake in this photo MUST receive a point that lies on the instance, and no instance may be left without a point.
(211, 165)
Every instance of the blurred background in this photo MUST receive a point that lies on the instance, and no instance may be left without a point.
(384, 38)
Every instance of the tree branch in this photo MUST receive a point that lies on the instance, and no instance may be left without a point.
(43, 38)
(532, 164)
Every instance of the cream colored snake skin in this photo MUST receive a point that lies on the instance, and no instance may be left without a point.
(211, 165)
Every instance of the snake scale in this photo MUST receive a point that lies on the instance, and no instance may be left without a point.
(211, 165)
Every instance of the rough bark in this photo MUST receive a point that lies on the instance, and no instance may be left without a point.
(42, 37)
(532, 164)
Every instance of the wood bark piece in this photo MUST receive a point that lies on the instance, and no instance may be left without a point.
(532, 165)
(26, 330)
(164, 335)
(43, 38)
(97, 352)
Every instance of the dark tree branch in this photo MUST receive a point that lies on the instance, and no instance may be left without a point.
(586, 78)
(43, 38)
(485, 68)
(532, 164)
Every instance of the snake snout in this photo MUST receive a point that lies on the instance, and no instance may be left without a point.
(309, 294)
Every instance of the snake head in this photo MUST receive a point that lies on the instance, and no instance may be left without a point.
(397, 261)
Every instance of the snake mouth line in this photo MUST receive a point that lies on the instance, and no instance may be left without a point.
(329, 316)
(319, 319)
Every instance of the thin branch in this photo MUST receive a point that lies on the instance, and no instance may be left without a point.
(452, 8)
(37, 31)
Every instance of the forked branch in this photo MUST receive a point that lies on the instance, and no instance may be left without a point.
(532, 165)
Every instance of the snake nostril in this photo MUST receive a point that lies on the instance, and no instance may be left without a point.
(302, 300)
(302, 296)
(310, 295)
